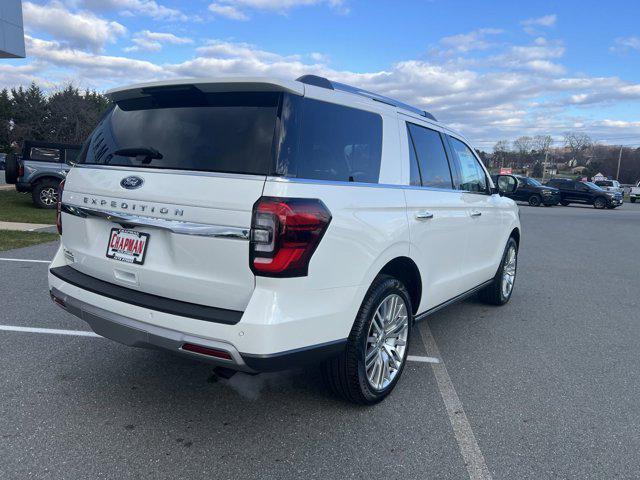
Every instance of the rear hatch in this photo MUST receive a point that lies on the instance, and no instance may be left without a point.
(162, 196)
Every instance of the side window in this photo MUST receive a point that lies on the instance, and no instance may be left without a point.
(433, 166)
(472, 176)
(339, 143)
(42, 154)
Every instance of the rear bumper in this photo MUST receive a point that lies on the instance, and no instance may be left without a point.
(277, 331)
(135, 333)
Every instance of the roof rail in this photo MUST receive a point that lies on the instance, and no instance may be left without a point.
(323, 82)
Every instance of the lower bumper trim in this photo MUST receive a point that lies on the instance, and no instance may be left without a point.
(135, 333)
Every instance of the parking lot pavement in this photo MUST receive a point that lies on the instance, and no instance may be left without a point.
(549, 384)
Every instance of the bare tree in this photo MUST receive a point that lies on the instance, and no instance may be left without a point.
(500, 151)
(542, 143)
(578, 144)
(523, 145)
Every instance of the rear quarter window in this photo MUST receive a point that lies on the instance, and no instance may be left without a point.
(325, 141)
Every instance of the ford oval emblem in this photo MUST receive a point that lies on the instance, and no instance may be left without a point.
(131, 183)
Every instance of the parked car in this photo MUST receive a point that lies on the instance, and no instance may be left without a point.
(40, 169)
(610, 186)
(292, 222)
(534, 193)
(572, 191)
(634, 193)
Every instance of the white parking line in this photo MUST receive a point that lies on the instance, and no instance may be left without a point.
(24, 260)
(471, 453)
(415, 358)
(84, 333)
(51, 331)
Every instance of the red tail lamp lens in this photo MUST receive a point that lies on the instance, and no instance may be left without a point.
(285, 233)
(210, 352)
(59, 208)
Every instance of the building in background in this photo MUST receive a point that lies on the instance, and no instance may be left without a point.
(11, 29)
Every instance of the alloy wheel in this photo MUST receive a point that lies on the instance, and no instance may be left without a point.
(49, 196)
(509, 272)
(386, 342)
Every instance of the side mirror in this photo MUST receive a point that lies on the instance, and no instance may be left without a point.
(506, 184)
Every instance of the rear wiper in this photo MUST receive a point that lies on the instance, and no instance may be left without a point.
(142, 154)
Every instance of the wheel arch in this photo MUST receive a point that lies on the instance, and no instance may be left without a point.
(515, 234)
(405, 269)
(46, 176)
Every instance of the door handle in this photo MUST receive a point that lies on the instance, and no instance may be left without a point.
(424, 215)
(476, 213)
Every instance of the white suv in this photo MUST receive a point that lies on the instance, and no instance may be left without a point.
(262, 224)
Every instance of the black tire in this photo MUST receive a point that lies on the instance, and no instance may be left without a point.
(535, 200)
(564, 203)
(632, 200)
(600, 203)
(11, 169)
(493, 294)
(346, 374)
(45, 193)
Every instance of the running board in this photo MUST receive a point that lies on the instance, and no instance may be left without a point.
(453, 300)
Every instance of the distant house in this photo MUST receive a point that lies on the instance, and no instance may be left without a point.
(551, 170)
(599, 176)
(578, 170)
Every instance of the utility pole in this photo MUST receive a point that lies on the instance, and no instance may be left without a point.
(619, 160)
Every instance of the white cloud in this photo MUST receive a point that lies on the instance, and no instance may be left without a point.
(546, 21)
(519, 89)
(625, 44)
(228, 11)
(79, 30)
(532, 25)
(237, 9)
(465, 42)
(149, 8)
(153, 41)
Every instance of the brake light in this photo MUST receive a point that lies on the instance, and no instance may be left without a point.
(59, 208)
(285, 233)
(20, 169)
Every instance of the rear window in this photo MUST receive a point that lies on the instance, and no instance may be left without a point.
(42, 154)
(604, 183)
(263, 133)
(188, 130)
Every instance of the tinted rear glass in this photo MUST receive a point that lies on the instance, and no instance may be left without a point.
(188, 130)
(325, 141)
(42, 154)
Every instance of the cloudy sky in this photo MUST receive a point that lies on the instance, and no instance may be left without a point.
(493, 70)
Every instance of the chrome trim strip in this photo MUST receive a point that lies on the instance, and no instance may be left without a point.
(175, 226)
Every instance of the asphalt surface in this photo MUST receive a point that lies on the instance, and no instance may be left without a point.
(549, 383)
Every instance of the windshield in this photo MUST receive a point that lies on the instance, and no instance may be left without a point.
(534, 182)
(188, 130)
(604, 183)
(592, 185)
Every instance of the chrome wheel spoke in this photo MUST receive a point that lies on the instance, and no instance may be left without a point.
(386, 342)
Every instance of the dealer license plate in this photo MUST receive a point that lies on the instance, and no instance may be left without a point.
(127, 246)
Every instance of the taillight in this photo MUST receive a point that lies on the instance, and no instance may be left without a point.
(20, 170)
(284, 234)
(59, 208)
